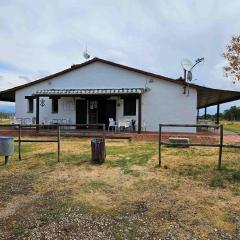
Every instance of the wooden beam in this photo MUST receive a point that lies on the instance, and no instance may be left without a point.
(140, 114)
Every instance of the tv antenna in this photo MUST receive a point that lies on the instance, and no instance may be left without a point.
(187, 66)
(86, 55)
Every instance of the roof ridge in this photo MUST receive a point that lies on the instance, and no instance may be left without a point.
(95, 59)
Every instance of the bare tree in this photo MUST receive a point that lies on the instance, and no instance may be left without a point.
(232, 55)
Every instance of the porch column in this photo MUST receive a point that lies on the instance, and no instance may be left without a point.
(140, 114)
(205, 113)
(37, 111)
(218, 111)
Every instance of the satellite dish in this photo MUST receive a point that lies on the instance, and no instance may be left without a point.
(186, 64)
(189, 76)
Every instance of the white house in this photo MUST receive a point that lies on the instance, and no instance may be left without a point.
(96, 90)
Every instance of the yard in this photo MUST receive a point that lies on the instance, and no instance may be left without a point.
(231, 126)
(127, 197)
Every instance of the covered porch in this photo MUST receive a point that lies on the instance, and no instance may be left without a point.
(209, 97)
(118, 109)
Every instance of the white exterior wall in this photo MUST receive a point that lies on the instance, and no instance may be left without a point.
(164, 103)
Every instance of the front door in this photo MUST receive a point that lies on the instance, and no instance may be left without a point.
(110, 111)
(81, 112)
(106, 110)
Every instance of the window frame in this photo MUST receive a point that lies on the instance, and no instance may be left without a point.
(127, 111)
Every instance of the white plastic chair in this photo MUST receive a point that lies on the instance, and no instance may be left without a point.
(112, 124)
(128, 123)
(124, 124)
(144, 126)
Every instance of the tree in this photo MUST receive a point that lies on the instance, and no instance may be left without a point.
(232, 114)
(232, 55)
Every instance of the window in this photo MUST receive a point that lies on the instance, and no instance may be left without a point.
(129, 107)
(55, 105)
(30, 105)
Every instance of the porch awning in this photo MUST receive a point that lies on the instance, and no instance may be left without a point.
(76, 92)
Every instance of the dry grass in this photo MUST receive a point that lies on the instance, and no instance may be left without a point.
(185, 198)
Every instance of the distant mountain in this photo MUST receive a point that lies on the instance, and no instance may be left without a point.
(7, 109)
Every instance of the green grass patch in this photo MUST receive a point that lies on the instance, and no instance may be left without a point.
(189, 153)
(76, 159)
(53, 206)
(67, 158)
(144, 185)
(236, 176)
(232, 126)
(217, 181)
(17, 230)
(25, 148)
(93, 186)
(126, 230)
(132, 155)
(192, 170)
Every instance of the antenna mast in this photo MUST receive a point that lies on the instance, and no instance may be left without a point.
(86, 55)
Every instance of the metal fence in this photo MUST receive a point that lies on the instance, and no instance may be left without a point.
(39, 130)
(196, 135)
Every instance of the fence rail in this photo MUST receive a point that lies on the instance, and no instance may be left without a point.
(220, 145)
(37, 127)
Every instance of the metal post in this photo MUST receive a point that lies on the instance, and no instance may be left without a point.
(6, 160)
(139, 114)
(218, 111)
(205, 114)
(19, 142)
(104, 129)
(58, 138)
(160, 146)
(220, 148)
(104, 139)
(37, 112)
(185, 74)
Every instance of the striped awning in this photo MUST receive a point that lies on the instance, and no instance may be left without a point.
(74, 92)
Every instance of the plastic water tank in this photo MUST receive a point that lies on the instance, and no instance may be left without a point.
(6, 147)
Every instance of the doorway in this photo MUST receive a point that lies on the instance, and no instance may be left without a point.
(106, 110)
(81, 112)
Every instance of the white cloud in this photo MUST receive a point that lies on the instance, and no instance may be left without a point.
(39, 37)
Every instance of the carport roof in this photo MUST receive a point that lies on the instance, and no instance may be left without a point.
(207, 97)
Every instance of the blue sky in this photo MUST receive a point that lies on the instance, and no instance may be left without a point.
(41, 37)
